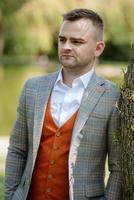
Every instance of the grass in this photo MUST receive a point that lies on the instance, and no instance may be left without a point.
(1, 187)
(11, 82)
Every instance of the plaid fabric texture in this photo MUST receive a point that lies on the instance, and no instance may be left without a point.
(92, 141)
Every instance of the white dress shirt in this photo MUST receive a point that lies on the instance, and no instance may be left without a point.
(66, 100)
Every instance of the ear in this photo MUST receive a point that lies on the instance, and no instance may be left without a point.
(100, 45)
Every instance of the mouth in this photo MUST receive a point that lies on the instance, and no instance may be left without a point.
(67, 55)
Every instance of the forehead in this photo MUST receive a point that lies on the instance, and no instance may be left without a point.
(78, 28)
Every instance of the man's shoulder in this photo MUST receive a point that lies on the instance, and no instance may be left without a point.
(110, 87)
(35, 81)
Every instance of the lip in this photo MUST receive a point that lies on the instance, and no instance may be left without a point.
(67, 55)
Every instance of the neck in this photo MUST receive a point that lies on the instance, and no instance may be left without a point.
(69, 75)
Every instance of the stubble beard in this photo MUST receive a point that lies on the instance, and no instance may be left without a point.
(68, 64)
(76, 67)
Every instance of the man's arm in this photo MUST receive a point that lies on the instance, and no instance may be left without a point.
(17, 151)
(113, 188)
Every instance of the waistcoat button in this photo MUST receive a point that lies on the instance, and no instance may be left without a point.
(50, 176)
(52, 162)
(49, 189)
(55, 147)
(58, 133)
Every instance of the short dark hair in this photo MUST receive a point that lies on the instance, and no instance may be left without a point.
(84, 13)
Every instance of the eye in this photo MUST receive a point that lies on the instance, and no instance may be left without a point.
(61, 40)
(77, 42)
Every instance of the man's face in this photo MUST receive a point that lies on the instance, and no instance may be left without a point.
(77, 44)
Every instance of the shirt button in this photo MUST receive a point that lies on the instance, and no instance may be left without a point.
(49, 190)
(52, 162)
(58, 134)
(50, 176)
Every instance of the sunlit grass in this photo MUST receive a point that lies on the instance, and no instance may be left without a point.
(1, 186)
(11, 82)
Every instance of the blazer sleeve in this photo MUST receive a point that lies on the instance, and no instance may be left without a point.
(17, 150)
(113, 187)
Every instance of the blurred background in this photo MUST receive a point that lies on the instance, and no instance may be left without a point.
(28, 47)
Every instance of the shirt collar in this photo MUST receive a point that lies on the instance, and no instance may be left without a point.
(59, 78)
(85, 78)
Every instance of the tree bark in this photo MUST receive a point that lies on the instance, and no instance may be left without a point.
(126, 107)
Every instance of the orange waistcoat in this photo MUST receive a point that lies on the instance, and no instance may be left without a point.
(50, 175)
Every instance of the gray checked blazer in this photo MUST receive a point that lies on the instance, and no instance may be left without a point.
(92, 141)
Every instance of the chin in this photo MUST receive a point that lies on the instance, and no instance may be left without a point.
(67, 62)
(67, 65)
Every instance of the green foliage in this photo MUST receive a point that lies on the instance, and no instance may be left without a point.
(8, 7)
(28, 26)
(14, 36)
(116, 52)
(118, 17)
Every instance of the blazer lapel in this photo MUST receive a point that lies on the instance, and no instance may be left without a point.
(44, 91)
(90, 98)
(94, 91)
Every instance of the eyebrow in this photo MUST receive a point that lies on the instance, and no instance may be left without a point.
(72, 38)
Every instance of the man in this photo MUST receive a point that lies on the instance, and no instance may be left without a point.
(65, 124)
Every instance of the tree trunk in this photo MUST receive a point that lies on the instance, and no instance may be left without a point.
(126, 107)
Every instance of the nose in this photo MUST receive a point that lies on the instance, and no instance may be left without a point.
(67, 46)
